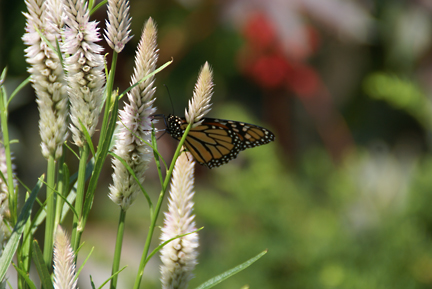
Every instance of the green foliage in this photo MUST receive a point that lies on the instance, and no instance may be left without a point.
(362, 224)
(402, 94)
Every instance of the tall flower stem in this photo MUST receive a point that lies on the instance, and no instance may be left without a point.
(108, 91)
(50, 211)
(12, 198)
(118, 247)
(77, 226)
(62, 185)
(155, 213)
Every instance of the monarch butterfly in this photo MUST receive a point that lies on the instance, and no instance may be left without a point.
(217, 141)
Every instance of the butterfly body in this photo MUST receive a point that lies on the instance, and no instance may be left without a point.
(215, 142)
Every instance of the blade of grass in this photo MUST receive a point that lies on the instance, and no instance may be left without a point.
(145, 77)
(85, 261)
(16, 234)
(134, 176)
(15, 92)
(24, 275)
(87, 137)
(112, 276)
(218, 279)
(158, 248)
(98, 6)
(70, 149)
(100, 159)
(41, 267)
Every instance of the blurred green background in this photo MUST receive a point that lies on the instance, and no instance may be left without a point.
(341, 199)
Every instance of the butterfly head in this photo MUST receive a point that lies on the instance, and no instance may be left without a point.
(173, 124)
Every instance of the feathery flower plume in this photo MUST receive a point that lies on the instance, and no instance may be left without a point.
(47, 77)
(135, 123)
(56, 17)
(118, 23)
(199, 105)
(85, 69)
(179, 256)
(64, 265)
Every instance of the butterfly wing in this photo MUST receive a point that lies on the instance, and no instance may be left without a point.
(217, 141)
(213, 143)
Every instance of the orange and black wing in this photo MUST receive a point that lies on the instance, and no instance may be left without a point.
(216, 141)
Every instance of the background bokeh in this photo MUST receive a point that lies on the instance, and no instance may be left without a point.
(342, 199)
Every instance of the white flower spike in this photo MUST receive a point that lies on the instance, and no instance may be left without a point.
(118, 23)
(179, 257)
(85, 69)
(135, 123)
(200, 104)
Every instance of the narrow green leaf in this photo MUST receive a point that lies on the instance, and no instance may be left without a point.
(60, 55)
(134, 176)
(15, 92)
(85, 261)
(24, 275)
(162, 67)
(16, 234)
(67, 203)
(92, 283)
(47, 42)
(222, 277)
(112, 276)
(76, 155)
(152, 145)
(87, 137)
(3, 177)
(100, 159)
(25, 248)
(158, 248)
(98, 6)
(41, 267)
(3, 76)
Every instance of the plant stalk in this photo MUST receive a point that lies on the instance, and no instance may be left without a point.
(118, 248)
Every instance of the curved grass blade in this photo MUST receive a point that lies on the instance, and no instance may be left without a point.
(85, 261)
(112, 276)
(94, 9)
(22, 84)
(146, 77)
(218, 279)
(158, 248)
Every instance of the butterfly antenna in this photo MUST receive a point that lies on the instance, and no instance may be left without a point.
(169, 95)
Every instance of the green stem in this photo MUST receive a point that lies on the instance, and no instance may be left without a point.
(77, 229)
(50, 212)
(118, 247)
(108, 91)
(12, 198)
(155, 214)
(61, 188)
(24, 254)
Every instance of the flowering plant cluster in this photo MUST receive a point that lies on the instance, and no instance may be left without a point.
(74, 87)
